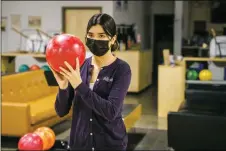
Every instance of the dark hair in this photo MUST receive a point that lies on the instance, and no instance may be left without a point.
(108, 25)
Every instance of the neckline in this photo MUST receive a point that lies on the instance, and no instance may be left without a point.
(112, 64)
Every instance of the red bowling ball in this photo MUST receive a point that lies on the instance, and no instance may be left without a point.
(30, 141)
(64, 47)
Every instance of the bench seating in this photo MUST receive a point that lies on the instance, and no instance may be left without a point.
(27, 103)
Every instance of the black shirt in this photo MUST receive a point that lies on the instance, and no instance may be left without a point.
(97, 122)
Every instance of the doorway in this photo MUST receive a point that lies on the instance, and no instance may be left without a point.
(163, 39)
(75, 20)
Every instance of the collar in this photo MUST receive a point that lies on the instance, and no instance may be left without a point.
(112, 65)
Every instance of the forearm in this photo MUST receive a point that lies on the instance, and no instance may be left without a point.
(63, 101)
(103, 107)
(110, 107)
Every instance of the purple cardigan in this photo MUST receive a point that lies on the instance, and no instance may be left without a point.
(97, 122)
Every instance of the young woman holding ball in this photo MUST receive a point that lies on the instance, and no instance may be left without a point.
(96, 91)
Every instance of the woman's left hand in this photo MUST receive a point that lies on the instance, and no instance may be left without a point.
(72, 75)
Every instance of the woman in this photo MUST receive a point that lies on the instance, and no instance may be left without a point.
(96, 91)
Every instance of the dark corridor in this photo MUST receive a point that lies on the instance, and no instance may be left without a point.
(163, 39)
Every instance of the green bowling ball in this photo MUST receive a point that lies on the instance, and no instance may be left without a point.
(23, 68)
(45, 68)
(192, 75)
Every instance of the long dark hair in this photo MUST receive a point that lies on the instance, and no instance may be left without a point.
(108, 25)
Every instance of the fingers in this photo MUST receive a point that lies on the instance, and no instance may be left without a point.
(65, 75)
(68, 66)
(53, 71)
(65, 71)
(57, 75)
(77, 65)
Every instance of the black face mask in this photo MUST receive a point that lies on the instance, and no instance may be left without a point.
(97, 47)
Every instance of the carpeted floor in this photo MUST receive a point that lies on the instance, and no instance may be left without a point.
(154, 140)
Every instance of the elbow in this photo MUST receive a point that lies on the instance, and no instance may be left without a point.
(61, 114)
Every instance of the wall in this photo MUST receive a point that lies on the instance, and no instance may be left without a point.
(133, 14)
(51, 19)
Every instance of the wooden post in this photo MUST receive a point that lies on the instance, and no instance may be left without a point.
(166, 57)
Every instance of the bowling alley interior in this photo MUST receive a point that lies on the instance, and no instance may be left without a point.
(176, 51)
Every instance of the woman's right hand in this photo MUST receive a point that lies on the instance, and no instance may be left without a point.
(61, 80)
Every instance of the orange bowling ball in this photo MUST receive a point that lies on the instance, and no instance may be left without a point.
(65, 47)
(34, 67)
(48, 137)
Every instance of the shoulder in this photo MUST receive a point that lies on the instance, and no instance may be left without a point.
(86, 62)
(123, 67)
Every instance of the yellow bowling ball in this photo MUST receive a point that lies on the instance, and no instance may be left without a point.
(205, 75)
